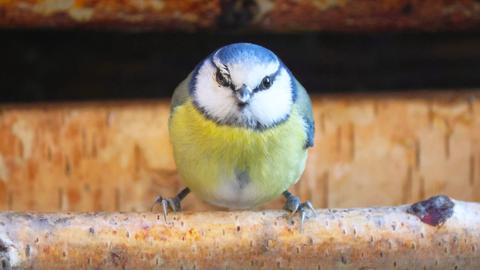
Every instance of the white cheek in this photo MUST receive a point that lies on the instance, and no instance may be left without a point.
(274, 104)
(216, 100)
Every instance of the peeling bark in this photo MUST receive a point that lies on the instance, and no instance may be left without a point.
(370, 238)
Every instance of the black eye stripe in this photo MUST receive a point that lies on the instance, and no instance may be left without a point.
(257, 89)
(272, 77)
(266, 82)
(223, 79)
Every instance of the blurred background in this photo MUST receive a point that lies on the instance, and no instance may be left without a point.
(85, 88)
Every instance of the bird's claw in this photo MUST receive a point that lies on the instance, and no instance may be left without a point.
(294, 205)
(172, 203)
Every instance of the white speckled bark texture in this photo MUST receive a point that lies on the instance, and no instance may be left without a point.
(369, 238)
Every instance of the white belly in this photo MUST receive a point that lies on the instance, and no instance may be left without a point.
(236, 191)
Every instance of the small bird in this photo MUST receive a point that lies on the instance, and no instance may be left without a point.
(240, 125)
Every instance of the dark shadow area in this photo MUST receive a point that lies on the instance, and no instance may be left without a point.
(47, 65)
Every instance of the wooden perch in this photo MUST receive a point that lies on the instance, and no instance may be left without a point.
(279, 16)
(438, 233)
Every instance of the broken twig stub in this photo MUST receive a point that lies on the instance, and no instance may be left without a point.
(433, 211)
(370, 238)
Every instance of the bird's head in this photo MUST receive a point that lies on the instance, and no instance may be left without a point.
(243, 85)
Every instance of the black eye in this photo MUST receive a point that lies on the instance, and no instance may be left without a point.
(221, 79)
(266, 83)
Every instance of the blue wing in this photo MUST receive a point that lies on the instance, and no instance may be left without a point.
(304, 107)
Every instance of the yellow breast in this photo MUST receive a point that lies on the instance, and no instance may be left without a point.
(236, 167)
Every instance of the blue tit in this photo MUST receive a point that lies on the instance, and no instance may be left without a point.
(240, 125)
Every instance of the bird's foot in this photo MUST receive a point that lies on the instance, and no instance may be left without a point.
(294, 205)
(167, 203)
(171, 203)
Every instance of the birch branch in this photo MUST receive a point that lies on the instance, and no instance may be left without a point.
(438, 233)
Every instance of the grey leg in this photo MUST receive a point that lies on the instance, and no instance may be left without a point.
(294, 205)
(173, 203)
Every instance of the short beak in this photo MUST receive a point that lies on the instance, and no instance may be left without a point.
(243, 94)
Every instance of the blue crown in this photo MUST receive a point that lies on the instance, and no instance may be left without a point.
(243, 52)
